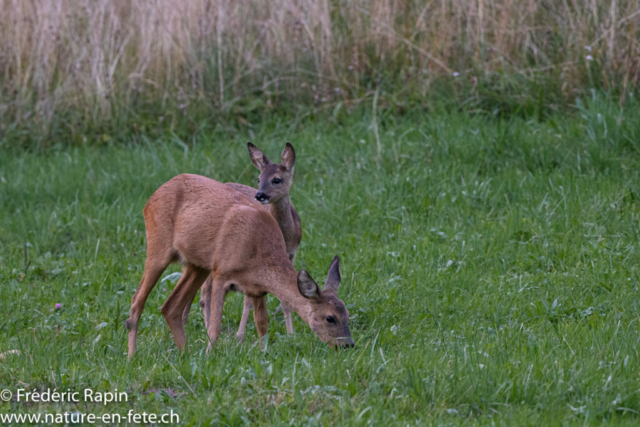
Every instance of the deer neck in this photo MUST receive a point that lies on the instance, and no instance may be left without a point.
(281, 211)
(285, 288)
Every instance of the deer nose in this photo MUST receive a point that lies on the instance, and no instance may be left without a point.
(262, 198)
(346, 343)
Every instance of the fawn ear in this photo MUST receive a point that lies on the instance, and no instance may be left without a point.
(258, 158)
(333, 278)
(288, 156)
(308, 287)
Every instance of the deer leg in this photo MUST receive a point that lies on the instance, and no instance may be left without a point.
(183, 294)
(246, 310)
(216, 304)
(288, 320)
(286, 310)
(260, 316)
(185, 313)
(205, 300)
(153, 268)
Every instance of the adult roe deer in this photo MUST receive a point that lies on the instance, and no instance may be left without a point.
(212, 229)
(273, 192)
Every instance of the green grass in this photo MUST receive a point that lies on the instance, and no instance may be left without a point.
(490, 267)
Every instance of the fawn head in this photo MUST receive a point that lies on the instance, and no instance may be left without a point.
(275, 179)
(329, 318)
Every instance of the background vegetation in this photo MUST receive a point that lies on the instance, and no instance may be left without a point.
(88, 71)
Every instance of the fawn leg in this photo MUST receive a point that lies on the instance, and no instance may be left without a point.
(286, 310)
(185, 313)
(205, 300)
(260, 316)
(288, 320)
(246, 310)
(216, 304)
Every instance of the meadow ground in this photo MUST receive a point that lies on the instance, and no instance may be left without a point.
(490, 267)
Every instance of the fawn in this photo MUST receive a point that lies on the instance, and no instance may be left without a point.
(214, 230)
(273, 192)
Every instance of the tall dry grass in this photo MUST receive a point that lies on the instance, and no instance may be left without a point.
(98, 56)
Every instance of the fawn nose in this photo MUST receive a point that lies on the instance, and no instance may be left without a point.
(262, 198)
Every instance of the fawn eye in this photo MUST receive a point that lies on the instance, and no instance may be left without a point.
(331, 319)
(276, 181)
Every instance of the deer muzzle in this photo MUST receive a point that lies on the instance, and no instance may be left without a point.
(262, 198)
(346, 342)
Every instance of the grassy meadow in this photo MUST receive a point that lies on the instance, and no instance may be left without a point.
(490, 266)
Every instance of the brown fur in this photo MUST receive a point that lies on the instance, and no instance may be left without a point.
(280, 207)
(214, 230)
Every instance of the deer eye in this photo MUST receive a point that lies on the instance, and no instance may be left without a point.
(331, 319)
(258, 180)
(276, 181)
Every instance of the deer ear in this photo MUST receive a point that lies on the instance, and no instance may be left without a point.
(308, 287)
(258, 158)
(288, 156)
(333, 278)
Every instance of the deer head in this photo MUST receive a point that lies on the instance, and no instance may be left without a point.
(275, 179)
(328, 317)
